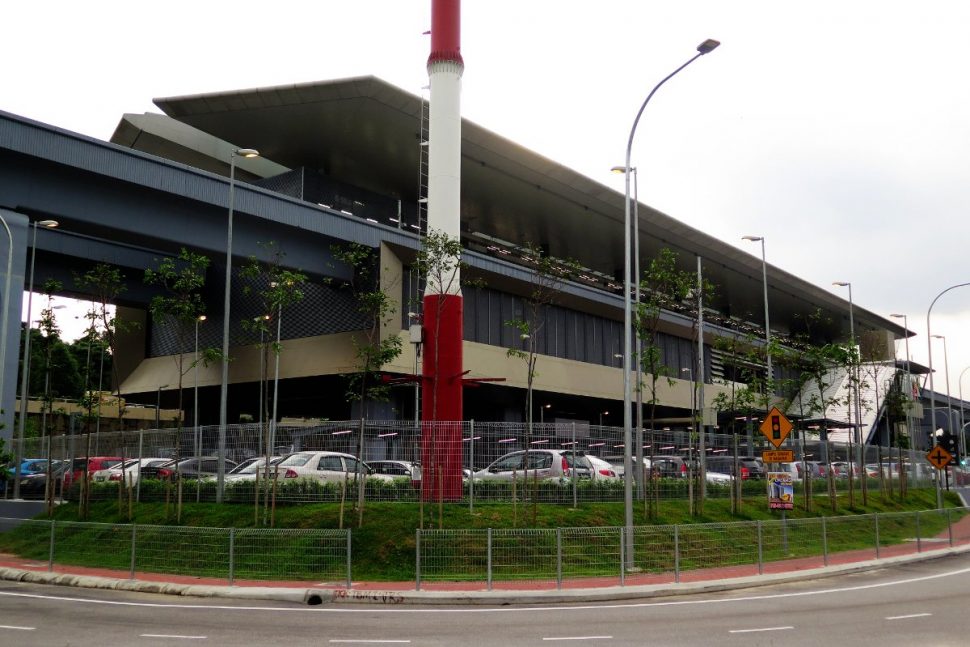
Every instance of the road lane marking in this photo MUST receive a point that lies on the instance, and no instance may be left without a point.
(172, 636)
(912, 615)
(16, 628)
(368, 642)
(749, 631)
(579, 638)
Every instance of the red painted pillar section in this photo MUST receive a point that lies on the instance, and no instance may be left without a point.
(441, 406)
(445, 31)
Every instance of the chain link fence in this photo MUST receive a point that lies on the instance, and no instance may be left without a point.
(482, 444)
(225, 554)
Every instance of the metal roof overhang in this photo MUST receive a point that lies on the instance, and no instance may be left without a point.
(366, 132)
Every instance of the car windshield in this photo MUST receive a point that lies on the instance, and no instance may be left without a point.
(296, 460)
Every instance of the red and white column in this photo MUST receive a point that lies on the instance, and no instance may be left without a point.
(442, 370)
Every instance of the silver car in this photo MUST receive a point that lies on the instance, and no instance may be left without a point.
(546, 464)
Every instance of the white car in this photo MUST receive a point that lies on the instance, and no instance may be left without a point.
(329, 467)
(246, 471)
(544, 464)
(131, 470)
(602, 470)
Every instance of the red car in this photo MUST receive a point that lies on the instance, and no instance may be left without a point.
(94, 463)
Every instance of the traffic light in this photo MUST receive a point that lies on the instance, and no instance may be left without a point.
(776, 427)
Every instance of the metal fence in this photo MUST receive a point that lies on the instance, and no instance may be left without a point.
(225, 554)
(574, 557)
(481, 444)
(486, 558)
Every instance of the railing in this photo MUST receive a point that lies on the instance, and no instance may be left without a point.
(480, 444)
(486, 558)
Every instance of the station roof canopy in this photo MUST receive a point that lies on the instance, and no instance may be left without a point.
(367, 132)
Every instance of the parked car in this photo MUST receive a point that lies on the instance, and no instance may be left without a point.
(540, 463)
(186, 468)
(94, 463)
(841, 470)
(750, 469)
(816, 469)
(132, 469)
(666, 466)
(398, 469)
(602, 470)
(247, 470)
(32, 466)
(33, 486)
(329, 467)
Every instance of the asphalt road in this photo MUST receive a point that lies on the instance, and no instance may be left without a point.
(923, 604)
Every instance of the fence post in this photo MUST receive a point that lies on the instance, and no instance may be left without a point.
(417, 559)
(131, 574)
(232, 556)
(676, 554)
(488, 573)
(50, 553)
(919, 539)
(949, 527)
(761, 564)
(558, 558)
(825, 544)
(877, 536)
(349, 553)
(622, 556)
(141, 441)
(471, 467)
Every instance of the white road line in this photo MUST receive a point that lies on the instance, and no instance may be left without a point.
(17, 628)
(368, 642)
(173, 636)
(749, 631)
(912, 615)
(579, 638)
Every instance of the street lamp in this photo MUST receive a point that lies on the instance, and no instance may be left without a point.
(25, 369)
(158, 406)
(224, 392)
(706, 47)
(769, 389)
(946, 369)
(856, 409)
(5, 305)
(637, 342)
(963, 437)
(929, 349)
(195, 396)
(603, 413)
(542, 413)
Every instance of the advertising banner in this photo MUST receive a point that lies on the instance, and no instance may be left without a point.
(781, 492)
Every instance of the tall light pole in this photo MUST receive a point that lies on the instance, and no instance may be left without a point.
(542, 413)
(909, 380)
(195, 396)
(706, 47)
(963, 436)
(929, 352)
(769, 374)
(946, 370)
(5, 305)
(158, 407)
(25, 369)
(637, 341)
(224, 391)
(276, 375)
(856, 409)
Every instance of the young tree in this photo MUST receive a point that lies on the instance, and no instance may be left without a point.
(546, 278)
(277, 288)
(106, 283)
(180, 304)
(662, 287)
(371, 349)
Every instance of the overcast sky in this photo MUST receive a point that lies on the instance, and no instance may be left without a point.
(836, 129)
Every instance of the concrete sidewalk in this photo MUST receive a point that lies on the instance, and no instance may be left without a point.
(395, 593)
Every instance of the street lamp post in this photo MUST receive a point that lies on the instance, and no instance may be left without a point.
(197, 435)
(224, 391)
(542, 413)
(637, 341)
(5, 305)
(856, 409)
(158, 407)
(769, 374)
(704, 48)
(946, 370)
(929, 353)
(963, 437)
(603, 413)
(25, 369)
